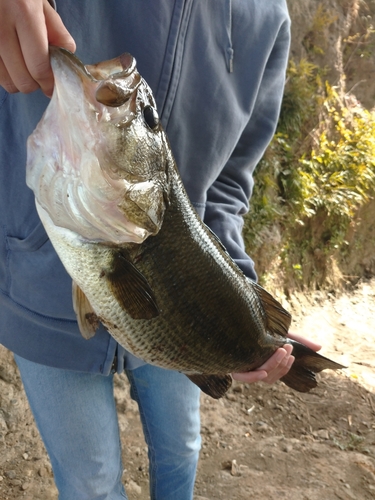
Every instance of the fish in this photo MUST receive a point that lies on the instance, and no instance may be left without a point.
(142, 262)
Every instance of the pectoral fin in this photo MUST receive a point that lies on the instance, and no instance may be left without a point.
(131, 289)
(88, 321)
(213, 385)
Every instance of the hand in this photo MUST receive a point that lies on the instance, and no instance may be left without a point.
(277, 365)
(27, 28)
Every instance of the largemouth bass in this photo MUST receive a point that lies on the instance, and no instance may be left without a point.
(142, 262)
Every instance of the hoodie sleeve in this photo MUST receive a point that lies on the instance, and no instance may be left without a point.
(228, 197)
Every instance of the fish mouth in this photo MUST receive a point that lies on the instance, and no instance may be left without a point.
(96, 160)
(115, 80)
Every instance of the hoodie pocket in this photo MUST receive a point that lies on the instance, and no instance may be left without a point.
(37, 238)
(37, 280)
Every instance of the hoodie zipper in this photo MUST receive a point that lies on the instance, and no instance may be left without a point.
(171, 70)
(229, 52)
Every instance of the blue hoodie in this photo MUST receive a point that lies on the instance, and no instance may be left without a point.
(217, 70)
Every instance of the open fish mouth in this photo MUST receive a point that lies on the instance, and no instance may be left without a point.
(111, 83)
(101, 170)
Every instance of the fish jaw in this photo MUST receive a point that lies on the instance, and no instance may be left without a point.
(94, 163)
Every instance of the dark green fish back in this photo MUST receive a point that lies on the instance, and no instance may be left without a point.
(220, 321)
(212, 319)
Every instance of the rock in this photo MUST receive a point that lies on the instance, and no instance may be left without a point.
(322, 434)
(235, 470)
(262, 427)
(226, 465)
(238, 388)
(287, 448)
(43, 471)
(15, 482)
(25, 486)
(10, 474)
(3, 425)
(133, 487)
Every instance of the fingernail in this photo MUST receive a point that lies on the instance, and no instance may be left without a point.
(288, 348)
(281, 353)
(290, 361)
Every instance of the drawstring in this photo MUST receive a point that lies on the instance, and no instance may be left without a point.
(228, 20)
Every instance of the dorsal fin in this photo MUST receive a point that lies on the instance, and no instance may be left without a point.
(131, 288)
(88, 321)
(277, 319)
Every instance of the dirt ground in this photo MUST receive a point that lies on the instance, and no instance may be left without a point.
(260, 441)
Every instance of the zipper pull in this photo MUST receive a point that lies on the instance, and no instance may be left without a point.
(114, 366)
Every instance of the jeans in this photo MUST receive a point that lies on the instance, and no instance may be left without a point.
(76, 416)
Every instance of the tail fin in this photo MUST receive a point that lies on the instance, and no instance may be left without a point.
(301, 376)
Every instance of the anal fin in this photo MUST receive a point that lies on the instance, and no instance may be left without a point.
(213, 385)
(88, 321)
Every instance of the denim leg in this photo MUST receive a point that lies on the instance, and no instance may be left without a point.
(76, 416)
(169, 408)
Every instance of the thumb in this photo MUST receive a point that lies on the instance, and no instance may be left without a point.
(57, 34)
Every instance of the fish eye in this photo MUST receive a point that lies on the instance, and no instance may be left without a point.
(151, 117)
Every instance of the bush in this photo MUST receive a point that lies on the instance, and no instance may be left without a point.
(318, 171)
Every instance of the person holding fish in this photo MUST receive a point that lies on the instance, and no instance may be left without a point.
(217, 71)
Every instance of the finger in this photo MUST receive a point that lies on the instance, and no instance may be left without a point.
(27, 61)
(25, 45)
(289, 364)
(5, 80)
(274, 361)
(13, 60)
(250, 377)
(281, 370)
(307, 342)
(36, 54)
(58, 35)
(269, 369)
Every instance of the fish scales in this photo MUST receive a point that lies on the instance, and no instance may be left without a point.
(192, 335)
(207, 319)
(142, 262)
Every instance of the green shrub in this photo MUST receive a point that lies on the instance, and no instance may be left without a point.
(338, 174)
(319, 169)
